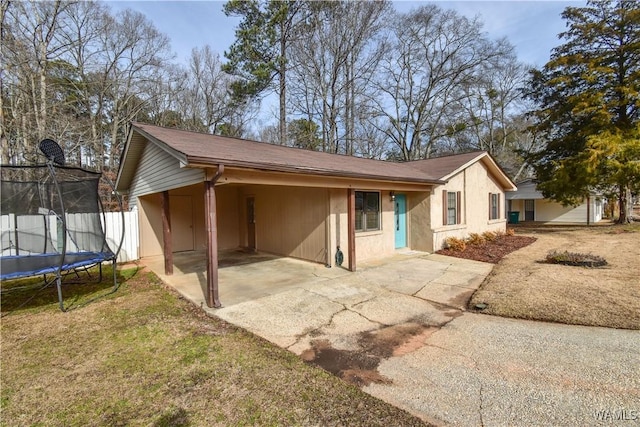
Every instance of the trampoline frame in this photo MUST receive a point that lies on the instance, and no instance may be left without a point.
(67, 262)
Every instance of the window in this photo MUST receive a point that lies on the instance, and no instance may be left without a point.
(451, 207)
(367, 210)
(494, 206)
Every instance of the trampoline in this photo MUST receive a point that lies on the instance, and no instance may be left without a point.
(51, 220)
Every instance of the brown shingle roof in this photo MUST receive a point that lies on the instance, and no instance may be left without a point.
(201, 150)
(205, 149)
(441, 167)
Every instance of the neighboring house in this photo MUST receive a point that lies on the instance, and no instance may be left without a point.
(531, 205)
(197, 191)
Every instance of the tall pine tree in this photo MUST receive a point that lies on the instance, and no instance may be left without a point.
(259, 54)
(588, 98)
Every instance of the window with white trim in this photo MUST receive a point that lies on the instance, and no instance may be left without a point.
(367, 210)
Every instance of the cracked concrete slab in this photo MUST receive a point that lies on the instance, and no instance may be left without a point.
(348, 291)
(342, 332)
(283, 317)
(391, 308)
(449, 295)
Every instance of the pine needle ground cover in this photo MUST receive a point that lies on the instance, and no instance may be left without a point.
(142, 356)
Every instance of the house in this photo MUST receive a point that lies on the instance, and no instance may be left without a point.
(198, 191)
(529, 204)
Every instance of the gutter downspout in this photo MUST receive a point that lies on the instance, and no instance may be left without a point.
(213, 299)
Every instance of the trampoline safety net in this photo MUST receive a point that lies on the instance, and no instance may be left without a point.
(50, 220)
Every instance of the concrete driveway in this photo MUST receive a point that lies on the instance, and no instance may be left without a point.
(398, 330)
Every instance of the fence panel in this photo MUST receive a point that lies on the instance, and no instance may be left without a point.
(113, 232)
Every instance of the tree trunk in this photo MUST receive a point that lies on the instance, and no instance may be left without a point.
(622, 204)
(283, 84)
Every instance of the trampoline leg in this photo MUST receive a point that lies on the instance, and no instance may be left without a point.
(59, 286)
(115, 281)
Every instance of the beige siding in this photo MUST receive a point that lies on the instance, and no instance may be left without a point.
(158, 171)
(418, 221)
(517, 206)
(227, 203)
(475, 183)
(338, 226)
(378, 244)
(150, 225)
(150, 219)
(290, 221)
(194, 195)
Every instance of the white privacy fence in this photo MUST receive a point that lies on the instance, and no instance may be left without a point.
(42, 233)
(113, 231)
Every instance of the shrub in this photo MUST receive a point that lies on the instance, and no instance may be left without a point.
(455, 244)
(489, 236)
(510, 232)
(575, 259)
(475, 239)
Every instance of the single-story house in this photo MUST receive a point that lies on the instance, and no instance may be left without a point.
(531, 205)
(198, 191)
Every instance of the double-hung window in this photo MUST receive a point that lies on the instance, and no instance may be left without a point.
(494, 206)
(451, 214)
(367, 210)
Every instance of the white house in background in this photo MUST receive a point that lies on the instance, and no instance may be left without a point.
(531, 205)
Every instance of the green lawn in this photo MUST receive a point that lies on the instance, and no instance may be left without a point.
(144, 356)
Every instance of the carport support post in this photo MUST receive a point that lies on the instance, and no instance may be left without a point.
(167, 246)
(213, 299)
(351, 228)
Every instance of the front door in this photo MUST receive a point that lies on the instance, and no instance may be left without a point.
(529, 210)
(251, 223)
(400, 218)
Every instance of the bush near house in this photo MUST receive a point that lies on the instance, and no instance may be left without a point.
(487, 247)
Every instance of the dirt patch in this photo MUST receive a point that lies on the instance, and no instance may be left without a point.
(461, 300)
(491, 251)
(522, 286)
(383, 342)
(354, 366)
(360, 366)
(415, 342)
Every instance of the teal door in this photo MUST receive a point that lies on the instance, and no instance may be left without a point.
(401, 220)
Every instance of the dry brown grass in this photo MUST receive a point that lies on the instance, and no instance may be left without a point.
(143, 356)
(523, 286)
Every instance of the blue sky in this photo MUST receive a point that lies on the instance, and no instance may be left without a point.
(531, 26)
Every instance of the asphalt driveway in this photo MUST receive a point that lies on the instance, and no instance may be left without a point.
(398, 330)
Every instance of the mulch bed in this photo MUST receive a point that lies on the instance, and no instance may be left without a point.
(492, 251)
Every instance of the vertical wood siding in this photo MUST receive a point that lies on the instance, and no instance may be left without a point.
(290, 221)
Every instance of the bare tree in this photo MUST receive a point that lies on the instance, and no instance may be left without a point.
(30, 48)
(332, 67)
(435, 54)
(134, 55)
